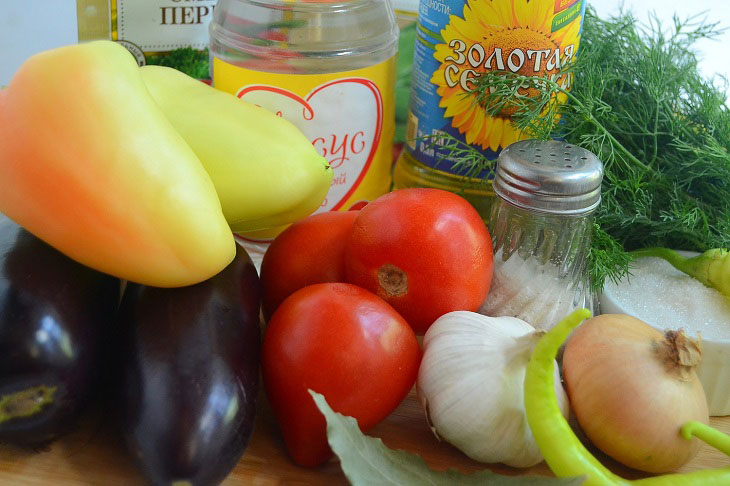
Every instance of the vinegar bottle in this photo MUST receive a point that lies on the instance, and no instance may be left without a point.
(329, 68)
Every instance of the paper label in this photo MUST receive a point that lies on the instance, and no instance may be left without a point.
(146, 26)
(348, 117)
(457, 41)
(164, 25)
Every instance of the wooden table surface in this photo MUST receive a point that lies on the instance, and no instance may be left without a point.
(94, 454)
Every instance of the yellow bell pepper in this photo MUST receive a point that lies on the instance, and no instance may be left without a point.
(266, 172)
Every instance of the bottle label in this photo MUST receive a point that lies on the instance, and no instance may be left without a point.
(147, 26)
(348, 117)
(458, 40)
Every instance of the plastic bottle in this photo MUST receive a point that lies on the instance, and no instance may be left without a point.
(457, 40)
(329, 68)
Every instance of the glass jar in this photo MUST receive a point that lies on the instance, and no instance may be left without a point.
(329, 68)
(541, 224)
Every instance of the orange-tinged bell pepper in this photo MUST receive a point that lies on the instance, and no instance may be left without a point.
(89, 164)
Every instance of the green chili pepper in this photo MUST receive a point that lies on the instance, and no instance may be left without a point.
(712, 267)
(565, 454)
(707, 434)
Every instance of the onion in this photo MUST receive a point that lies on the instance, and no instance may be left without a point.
(632, 388)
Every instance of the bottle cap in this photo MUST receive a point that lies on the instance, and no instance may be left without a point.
(310, 36)
(549, 176)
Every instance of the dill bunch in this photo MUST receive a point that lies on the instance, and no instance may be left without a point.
(186, 59)
(662, 131)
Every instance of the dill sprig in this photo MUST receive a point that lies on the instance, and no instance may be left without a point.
(660, 128)
(192, 62)
(466, 161)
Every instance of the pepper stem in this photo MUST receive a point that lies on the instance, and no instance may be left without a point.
(712, 267)
(25, 403)
(675, 259)
(707, 434)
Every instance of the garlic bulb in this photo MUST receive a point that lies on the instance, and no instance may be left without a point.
(471, 384)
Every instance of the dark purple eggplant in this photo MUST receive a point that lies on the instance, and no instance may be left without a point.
(190, 377)
(54, 318)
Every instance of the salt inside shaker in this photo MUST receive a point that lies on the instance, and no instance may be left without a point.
(541, 224)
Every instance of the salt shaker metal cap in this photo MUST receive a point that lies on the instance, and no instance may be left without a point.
(549, 176)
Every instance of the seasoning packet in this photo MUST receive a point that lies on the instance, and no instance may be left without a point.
(167, 32)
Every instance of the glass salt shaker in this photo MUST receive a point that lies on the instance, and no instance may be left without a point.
(541, 224)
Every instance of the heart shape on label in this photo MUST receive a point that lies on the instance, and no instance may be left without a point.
(342, 118)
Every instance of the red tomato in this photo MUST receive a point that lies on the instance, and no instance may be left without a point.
(308, 252)
(358, 205)
(425, 251)
(345, 343)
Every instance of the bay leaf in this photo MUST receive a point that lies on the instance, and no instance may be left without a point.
(367, 461)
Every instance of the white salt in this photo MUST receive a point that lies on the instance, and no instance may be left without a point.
(535, 293)
(666, 298)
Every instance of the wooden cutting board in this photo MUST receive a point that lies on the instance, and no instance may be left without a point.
(95, 455)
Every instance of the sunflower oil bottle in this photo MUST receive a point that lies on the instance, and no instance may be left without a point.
(456, 41)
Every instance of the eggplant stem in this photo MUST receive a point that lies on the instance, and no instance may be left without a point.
(707, 434)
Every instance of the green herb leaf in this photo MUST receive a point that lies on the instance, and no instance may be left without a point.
(367, 461)
(186, 59)
(607, 259)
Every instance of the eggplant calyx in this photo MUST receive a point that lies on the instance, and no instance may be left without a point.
(25, 403)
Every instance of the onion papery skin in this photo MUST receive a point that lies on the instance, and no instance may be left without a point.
(629, 400)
